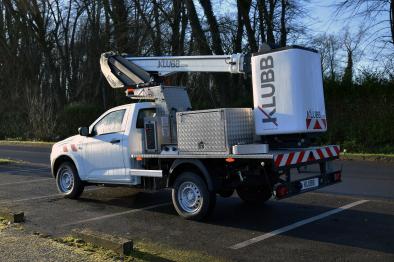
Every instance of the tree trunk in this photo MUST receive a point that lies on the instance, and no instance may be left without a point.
(175, 26)
(184, 23)
(347, 79)
(157, 39)
(198, 33)
(240, 31)
(261, 20)
(283, 29)
(392, 20)
(118, 15)
(213, 26)
(2, 31)
(245, 8)
(270, 23)
(269, 20)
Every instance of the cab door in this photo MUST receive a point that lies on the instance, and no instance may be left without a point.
(137, 137)
(104, 157)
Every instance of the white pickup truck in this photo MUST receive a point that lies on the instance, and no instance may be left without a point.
(198, 154)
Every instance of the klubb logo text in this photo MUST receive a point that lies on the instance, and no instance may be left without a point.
(267, 84)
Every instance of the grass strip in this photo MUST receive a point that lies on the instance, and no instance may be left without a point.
(368, 157)
(6, 161)
(26, 143)
(143, 251)
(3, 223)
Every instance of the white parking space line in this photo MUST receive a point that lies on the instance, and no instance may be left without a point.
(296, 225)
(27, 182)
(31, 198)
(114, 215)
(41, 197)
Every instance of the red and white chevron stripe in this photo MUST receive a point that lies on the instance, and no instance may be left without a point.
(316, 124)
(73, 148)
(298, 157)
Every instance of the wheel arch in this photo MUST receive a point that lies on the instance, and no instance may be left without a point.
(180, 165)
(61, 159)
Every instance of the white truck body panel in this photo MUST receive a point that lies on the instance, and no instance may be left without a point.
(100, 161)
(288, 92)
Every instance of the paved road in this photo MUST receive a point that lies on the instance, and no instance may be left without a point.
(351, 221)
(33, 154)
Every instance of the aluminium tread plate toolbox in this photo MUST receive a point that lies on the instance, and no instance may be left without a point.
(214, 131)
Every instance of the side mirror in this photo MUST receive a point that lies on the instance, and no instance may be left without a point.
(83, 131)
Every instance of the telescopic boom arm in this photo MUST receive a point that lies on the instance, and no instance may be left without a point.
(124, 71)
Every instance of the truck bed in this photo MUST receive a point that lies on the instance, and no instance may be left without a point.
(282, 158)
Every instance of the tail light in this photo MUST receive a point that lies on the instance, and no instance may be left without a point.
(337, 176)
(281, 191)
(230, 160)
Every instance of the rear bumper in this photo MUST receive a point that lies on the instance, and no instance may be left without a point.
(298, 157)
(287, 189)
(286, 160)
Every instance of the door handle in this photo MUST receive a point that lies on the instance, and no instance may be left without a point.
(115, 141)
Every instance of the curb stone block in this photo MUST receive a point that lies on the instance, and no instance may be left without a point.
(120, 245)
(13, 217)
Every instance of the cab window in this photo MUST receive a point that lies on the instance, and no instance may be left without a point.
(111, 123)
(148, 112)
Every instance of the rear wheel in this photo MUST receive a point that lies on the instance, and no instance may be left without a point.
(191, 197)
(254, 195)
(226, 192)
(68, 182)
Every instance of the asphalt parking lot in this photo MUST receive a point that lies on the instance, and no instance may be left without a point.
(352, 221)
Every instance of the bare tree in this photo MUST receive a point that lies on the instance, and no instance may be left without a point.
(118, 13)
(197, 30)
(50, 50)
(283, 26)
(269, 12)
(213, 26)
(351, 43)
(244, 6)
(379, 14)
(329, 47)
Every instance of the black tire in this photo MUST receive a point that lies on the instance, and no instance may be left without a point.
(254, 195)
(226, 193)
(69, 189)
(189, 188)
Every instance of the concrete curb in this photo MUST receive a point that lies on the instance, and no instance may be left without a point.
(13, 217)
(120, 245)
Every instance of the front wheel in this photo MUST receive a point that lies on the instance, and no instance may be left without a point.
(68, 182)
(191, 197)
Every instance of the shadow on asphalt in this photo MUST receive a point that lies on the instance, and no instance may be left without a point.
(149, 257)
(361, 229)
(124, 197)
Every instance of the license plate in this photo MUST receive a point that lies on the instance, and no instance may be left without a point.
(310, 183)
